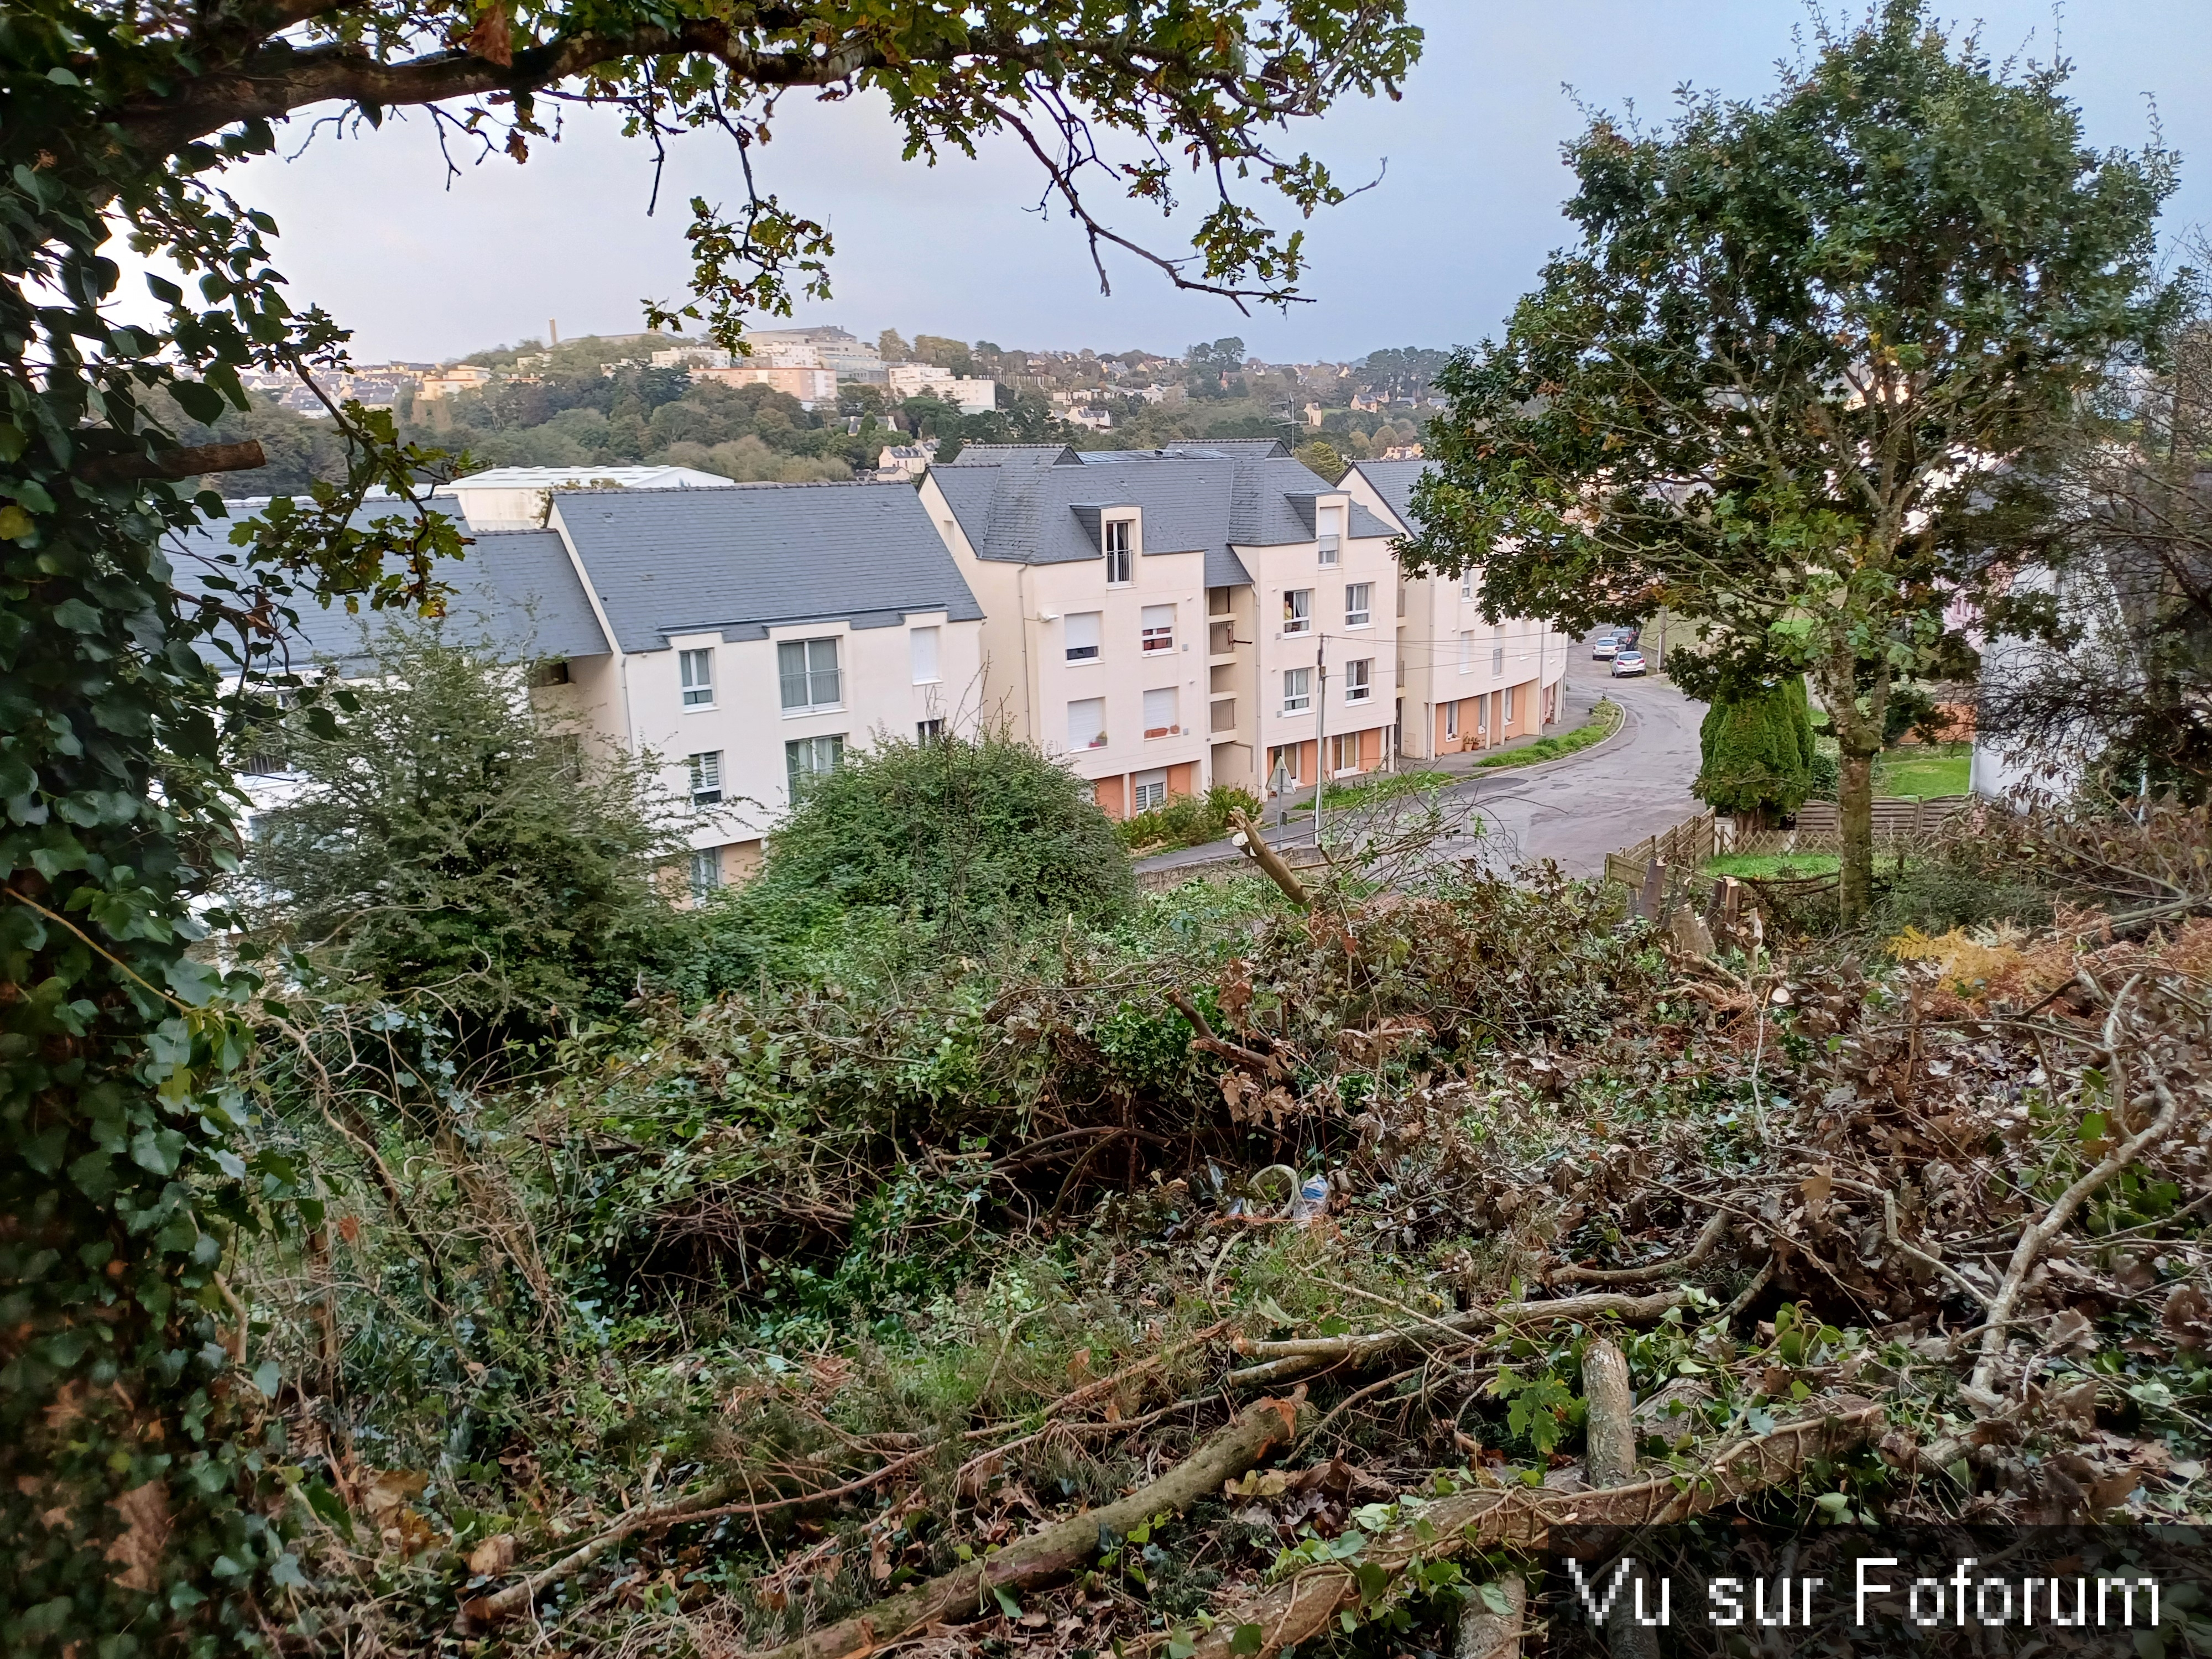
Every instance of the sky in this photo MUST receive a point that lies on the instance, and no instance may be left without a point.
(1435, 254)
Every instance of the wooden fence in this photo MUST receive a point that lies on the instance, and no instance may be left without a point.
(1685, 846)
(1819, 825)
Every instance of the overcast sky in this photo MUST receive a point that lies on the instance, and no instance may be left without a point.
(1435, 255)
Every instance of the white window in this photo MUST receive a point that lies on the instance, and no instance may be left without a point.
(706, 778)
(1086, 723)
(1497, 651)
(705, 871)
(806, 759)
(1509, 705)
(1158, 625)
(1298, 690)
(1359, 679)
(921, 650)
(1151, 790)
(1082, 636)
(808, 669)
(929, 731)
(1297, 611)
(1451, 720)
(1117, 552)
(1467, 586)
(1467, 651)
(1285, 757)
(1344, 753)
(1329, 528)
(1359, 603)
(1160, 712)
(695, 670)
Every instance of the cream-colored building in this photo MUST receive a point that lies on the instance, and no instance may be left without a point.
(1169, 620)
(749, 636)
(518, 497)
(1468, 683)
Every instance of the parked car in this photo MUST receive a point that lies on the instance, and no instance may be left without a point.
(1627, 662)
(1604, 646)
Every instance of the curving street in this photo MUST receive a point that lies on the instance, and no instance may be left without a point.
(1574, 810)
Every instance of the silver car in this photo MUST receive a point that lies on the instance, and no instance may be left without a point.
(1604, 646)
(1627, 662)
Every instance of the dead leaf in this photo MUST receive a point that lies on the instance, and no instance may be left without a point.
(349, 1229)
(493, 39)
(2111, 1491)
(144, 1512)
(493, 1557)
(1815, 1190)
(2072, 1331)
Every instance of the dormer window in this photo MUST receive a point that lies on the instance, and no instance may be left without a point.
(1118, 539)
(1328, 530)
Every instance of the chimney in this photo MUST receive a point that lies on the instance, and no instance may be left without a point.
(552, 332)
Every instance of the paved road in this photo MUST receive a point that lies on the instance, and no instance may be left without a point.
(1574, 810)
(1579, 809)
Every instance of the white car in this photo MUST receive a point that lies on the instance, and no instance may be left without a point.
(1627, 662)
(1604, 646)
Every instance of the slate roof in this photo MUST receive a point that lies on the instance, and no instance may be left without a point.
(515, 591)
(742, 560)
(1036, 503)
(1393, 481)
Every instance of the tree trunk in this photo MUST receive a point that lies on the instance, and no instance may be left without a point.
(1855, 814)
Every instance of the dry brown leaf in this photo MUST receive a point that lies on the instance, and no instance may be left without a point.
(494, 1555)
(144, 1512)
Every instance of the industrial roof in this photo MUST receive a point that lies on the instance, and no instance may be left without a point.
(743, 560)
(579, 478)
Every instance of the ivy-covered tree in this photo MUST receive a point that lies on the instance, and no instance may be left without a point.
(1797, 347)
(138, 1451)
(1756, 751)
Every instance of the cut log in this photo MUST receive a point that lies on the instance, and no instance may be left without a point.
(1610, 1462)
(1295, 1356)
(1521, 1518)
(1060, 1548)
(1487, 1635)
(1270, 861)
(176, 464)
(1700, 1253)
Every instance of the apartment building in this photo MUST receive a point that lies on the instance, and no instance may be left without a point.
(749, 636)
(758, 633)
(1468, 683)
(1172, 619)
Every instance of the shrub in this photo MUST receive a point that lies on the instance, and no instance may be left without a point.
(1189, 820)
(1756, 751)
(910, 850)
(454, 846)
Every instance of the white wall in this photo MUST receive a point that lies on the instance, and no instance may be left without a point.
(1276, 570)
(748, 725)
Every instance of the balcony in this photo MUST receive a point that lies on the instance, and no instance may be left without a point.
(1224, 715)
(1220, 642)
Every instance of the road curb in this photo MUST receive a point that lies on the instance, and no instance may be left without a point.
(1535, 768)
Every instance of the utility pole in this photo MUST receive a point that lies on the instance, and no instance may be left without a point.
(1321, 728)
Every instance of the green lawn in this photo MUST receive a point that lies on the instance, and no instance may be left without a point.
(1924, 769)
(1772, 867)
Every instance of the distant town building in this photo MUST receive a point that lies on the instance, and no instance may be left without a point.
(906, 460)
(811, 386)
(975, 397)
(515, 497)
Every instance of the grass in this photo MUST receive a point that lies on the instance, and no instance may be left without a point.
(1388, 787)
(1604, 721)
(1772, 867)
(1924, 769)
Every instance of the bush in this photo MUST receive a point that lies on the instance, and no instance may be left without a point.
(911, 850)
(454, 846)
(1756, 751)
(1189, 820)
